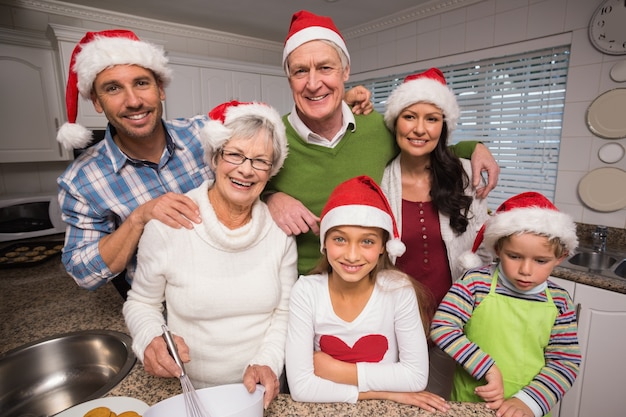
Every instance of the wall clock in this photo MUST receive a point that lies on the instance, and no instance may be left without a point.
(607, 27)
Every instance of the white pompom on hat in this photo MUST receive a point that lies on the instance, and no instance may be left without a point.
(306, 27)
(360, 202)
(95, 52)
(429, 87)
(216, 132)
(528, 212)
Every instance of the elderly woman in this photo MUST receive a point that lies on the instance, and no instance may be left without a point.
(226, 283)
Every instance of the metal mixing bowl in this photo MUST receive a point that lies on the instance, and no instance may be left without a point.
(50, 375)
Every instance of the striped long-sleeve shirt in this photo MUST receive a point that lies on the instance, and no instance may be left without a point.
(562, 354)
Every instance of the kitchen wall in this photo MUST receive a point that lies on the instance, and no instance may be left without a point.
(498, 28)
(453, 35)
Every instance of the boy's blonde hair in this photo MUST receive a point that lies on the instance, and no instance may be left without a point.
(558, 248)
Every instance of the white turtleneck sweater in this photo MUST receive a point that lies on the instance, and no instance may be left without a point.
(226, 291)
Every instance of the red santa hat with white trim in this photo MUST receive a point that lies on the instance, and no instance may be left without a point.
(95, 52)
(528, 212)
(217, 132)
(428, 87)
(306, 27)
(360, 202)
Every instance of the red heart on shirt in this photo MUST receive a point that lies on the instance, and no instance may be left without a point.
(370, 348)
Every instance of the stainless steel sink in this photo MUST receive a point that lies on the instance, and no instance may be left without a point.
(620, 271)
(595, 261)
(610, 263)
(50, 375)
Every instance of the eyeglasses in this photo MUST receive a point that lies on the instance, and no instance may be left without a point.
(238, 159)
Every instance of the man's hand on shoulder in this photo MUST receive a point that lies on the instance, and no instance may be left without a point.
(359, 100)
(174, 210)
(483, 161)
(291, 215)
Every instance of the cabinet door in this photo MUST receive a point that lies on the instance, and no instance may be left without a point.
(599, 389)
(183, 97)
(31, 105)
(276, 92)
(217, 87)
(246, 86)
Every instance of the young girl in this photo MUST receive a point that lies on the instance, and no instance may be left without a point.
(355, 330)
(512, 332)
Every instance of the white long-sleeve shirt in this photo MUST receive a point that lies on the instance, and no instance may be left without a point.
(391, 315)
(227, 292)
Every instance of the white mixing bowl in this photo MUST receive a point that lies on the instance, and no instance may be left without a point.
(221, 401)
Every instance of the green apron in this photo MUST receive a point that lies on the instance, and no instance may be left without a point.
(514, 332)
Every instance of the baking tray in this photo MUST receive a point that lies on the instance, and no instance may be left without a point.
(25, 254)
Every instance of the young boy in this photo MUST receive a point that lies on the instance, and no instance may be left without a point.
(512, 332)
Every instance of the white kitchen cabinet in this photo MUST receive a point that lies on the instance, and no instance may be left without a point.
(31, 105)
(599, 388)
(275, 91)
(221, 85)
(196, 90)
(183, 97)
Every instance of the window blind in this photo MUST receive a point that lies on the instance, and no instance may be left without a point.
(514, 105)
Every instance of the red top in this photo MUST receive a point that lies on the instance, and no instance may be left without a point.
(426, 257)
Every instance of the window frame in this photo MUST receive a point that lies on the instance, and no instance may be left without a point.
(527, 152)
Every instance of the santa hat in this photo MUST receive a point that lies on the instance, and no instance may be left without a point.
(306, 27)
(217, 132)
(95, 52)
(428, 86)
(528, 212)
(360, 202)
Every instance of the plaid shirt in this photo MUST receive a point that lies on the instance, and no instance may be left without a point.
(102, 187)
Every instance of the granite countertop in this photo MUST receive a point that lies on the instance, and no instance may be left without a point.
(589, 278)
(42, 300)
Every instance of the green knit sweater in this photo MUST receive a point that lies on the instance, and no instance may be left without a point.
(311, 172)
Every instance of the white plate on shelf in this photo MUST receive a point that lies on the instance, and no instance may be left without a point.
(611, 152)
(604, 189)
(605, 115)
(116, 404)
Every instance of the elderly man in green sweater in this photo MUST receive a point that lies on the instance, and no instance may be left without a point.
(328, 144)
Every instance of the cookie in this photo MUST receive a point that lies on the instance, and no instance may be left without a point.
(129, 414)
(12, 254)
(22, 249)
(100, 412)
(50, 252)
(39, 248)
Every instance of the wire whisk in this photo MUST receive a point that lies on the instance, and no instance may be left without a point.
(193, 405)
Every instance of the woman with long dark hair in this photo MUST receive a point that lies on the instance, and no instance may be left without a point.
(431, 195)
